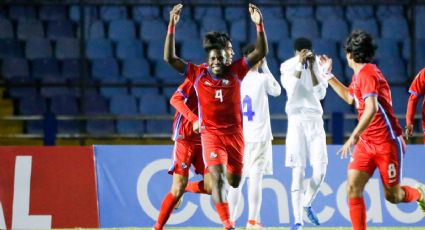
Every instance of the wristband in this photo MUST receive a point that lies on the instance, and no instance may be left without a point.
(260, 27)
(171, 29)
(299, 67)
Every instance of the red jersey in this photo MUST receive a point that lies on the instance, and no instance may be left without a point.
(184, 100)
(417, 90)
(219, 98)
(370, 82)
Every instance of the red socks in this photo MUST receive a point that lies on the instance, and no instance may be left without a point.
(196, 187)
(224, 213)
(410, 194)
(357, 213)
(166, 208)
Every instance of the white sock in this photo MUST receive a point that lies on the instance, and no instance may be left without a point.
(319, 172)
(233, 197)
(297, 193)
(255, 194)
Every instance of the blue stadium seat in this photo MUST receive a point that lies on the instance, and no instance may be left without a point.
(60, 29)
(207, 11)
(420, 17)
(271, 12)
(97, 105)
(285, 49)
(400, 97)
(304, 27)
(20, 12)
(168, 93)
(130, 49)
(67, 48)
(30, 29)
(387, 48)
(387, 11)
(155, 30)
(193, 51)
(99, 48)
(238, 30)
(394, 70)
(43, 67)
(166, 73)
(136, 68)
(110, 91)
(329, 13)
(6, 29)
(110, 13)
(38, 48)
(187, 31)
(420, 54)
(35, 105)
(232, 13)
(395, 28)
(277, 104)
(12, 67)
(22, 92)
(53, 91)
(280, 30)
(105, 68)
(65, 105)
(329, 26)
(294, 13)
(279, 127)
(369, 25)
(121, 29)
(338, 69)
(359, 12)
(10, 48)
(274, 66)
(153, 104)
(90, 12)
(87, 88)
(142, 13)
(71, 68)
(126, 105)
(210, 23)
(95, 30)
(325, 46)
(139, 91)
(333, 103)
(156, 51)
(52, 12)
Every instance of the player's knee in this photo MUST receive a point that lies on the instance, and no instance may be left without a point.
(178, 188)
(354, 190)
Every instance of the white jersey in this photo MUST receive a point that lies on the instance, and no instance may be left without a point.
(303, 99)
(255, 88)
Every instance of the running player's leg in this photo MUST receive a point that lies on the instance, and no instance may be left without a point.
(199, 168)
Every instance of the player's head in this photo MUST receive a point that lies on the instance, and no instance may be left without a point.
(249, 49)
(216, 59)
(221, 39)
(359, 47)
(302, 43)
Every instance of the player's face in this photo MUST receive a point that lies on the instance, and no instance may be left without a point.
(229, 53)
(217, 61)
(350, 61)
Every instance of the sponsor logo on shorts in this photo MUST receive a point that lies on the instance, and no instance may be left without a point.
(213, 155)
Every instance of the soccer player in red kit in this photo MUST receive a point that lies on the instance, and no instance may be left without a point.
(218, 89)
(416, 90)
(377, 136)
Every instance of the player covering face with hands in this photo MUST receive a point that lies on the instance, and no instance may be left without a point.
(217, 86)
(377, 138)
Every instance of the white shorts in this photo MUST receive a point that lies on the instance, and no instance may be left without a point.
(258, 157)
(305, 139)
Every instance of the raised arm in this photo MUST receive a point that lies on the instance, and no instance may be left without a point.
(337, 86)
(170, 47)
(261, 47)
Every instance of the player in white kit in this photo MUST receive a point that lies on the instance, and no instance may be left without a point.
(255, 89)
(301, 76)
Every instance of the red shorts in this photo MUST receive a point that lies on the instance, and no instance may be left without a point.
(386, 156)
(224, 149)
(186, 153)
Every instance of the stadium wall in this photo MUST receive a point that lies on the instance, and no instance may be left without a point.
(123, 186)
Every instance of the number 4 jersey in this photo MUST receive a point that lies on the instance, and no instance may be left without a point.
(255, 105)
(219, 98)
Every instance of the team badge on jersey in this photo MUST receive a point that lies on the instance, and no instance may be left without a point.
(207, 83)
(225, 82)
(213, 155)
(184, 165)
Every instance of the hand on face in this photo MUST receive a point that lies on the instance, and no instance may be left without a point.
(175, 13)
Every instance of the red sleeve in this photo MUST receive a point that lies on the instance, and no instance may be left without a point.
(411, 109)
(417, 87)
(368, 84)
(351, 89)
(240, 67)
(192, 71)
(178, 100)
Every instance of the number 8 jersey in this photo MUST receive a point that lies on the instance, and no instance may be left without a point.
(219, 105)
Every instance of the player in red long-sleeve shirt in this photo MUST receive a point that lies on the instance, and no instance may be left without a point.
(417, 91)
(218, 90)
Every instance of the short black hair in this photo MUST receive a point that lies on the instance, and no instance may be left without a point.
(213, 47)
(361, 46)
(215, 38)
(248, 49)
(302, 43)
